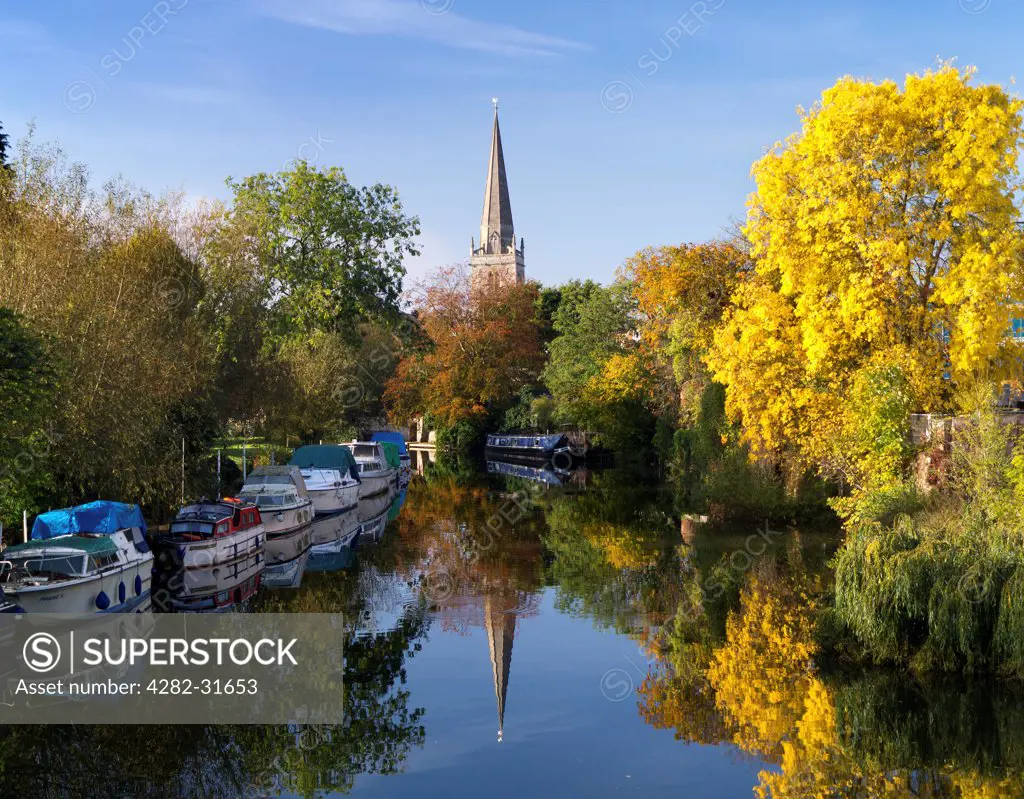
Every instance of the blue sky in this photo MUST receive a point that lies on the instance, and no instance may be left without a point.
(625, 124)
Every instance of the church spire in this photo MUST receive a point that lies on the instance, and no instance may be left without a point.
(496, 234)
(496, 259)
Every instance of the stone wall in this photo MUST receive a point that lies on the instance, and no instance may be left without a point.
(935, 436)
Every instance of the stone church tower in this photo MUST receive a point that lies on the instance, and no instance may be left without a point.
(497, 259)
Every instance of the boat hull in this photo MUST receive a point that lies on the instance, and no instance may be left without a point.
(280, 522)
(79, 596)
(334, 500)
(560, 458)
(214, 551)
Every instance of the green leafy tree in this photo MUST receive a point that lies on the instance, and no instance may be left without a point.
(319, 253)
(595, 373)
(548, 300)
(26, 384)
(591, 322)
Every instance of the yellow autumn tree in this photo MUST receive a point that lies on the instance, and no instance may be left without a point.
(884, 235)
(682, 293)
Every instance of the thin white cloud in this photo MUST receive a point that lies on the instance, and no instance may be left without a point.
(417, 20)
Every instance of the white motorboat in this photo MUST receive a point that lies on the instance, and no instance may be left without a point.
(280, 494)
(207, 533)
(376, 475)
(331, 475)
(92, 558)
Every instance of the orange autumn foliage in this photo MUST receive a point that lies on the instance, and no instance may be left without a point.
(484, 347)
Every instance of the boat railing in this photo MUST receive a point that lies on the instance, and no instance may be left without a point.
(6, 569)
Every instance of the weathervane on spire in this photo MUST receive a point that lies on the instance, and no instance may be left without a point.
(495, 101)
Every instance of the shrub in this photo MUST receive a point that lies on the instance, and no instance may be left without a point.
(940, 586)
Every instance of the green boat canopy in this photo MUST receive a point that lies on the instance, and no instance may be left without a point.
(87, 544)
(391, 452)
(325, 456)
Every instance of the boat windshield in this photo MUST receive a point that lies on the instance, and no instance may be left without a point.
(271, 500)
(364, 450)
(49, 566)
(200, 513)
(183, 527)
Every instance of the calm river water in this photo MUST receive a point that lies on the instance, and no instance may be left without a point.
(515, 637)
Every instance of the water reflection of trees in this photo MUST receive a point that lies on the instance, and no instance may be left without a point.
(615, 556)
(459, 544)
(880, 734)
(733, 645)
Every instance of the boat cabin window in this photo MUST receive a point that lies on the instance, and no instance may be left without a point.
(53, 566)
(222, 527)
(364, 451)
(272, 500)
(101, 561)
(203, 528)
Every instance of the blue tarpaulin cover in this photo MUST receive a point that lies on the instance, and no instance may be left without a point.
(391, 438)
(94, 517)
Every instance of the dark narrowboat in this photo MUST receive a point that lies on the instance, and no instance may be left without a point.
(542, 447)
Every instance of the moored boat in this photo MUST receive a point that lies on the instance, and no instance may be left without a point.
(331, 475)
(92, 558)
(210, 532)
(280, 494)
(554, 447)
(405, 461)
(8, 605)
(375, 473)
